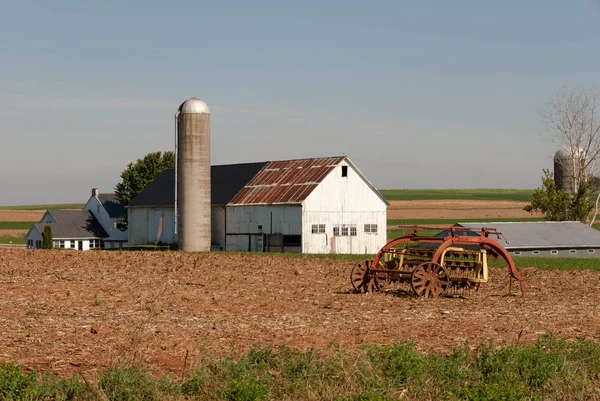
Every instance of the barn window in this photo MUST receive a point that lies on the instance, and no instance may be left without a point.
(344, 171)
(591, 251)
(516, 252)
(336, 231)
(371, 228)
(554, 252)
(318, 228)
(536, 252)
(572, 251)
(353, 230)
(344, 231)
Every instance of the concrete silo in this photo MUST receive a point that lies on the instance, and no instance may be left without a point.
(192, 211)
(568, 169)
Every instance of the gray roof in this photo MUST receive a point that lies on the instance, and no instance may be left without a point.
(73, 224)
(114, 208)
(542, 234)
(225, 182)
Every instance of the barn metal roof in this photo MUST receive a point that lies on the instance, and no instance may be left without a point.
(542, 234)
(225, 181)
(286, 182)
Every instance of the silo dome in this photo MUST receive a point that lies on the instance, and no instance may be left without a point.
(193, 106)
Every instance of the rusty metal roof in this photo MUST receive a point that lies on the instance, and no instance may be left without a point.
(286, 182)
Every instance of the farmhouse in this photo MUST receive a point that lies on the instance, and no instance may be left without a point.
(319, 205)
(564, 239)
(95, 226)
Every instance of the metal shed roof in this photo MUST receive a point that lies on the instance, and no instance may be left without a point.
(542, 234)
(286, 182)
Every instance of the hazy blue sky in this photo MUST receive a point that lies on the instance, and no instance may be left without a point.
(421, 94)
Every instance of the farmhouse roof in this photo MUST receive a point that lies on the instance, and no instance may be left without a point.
(225, 182)
(114, 208)
(542, 234)
(73, 224)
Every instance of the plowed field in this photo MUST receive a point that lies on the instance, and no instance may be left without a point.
(457, 209)
(65, 311)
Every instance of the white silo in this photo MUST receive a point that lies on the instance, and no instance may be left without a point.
(192, 204)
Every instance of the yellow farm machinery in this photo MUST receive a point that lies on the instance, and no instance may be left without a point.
(452, 263)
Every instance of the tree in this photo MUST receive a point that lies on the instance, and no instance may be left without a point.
(573, 123)
(47, 238)
(139, 174)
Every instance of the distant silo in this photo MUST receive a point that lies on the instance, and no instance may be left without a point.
(567, 167)
(193, 175)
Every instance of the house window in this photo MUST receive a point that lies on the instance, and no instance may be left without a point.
(38, 244)
(29, 243)
(318, 228)
(61, 244)
(344, 171)
(371, 228)
(516, 252)
(73, 244)
(554, 252)
(535, 252)
(572, 251)
(54, 244)
(591, 251)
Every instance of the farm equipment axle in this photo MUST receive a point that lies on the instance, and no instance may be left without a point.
(434, 266)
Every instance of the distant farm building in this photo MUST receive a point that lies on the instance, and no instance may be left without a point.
(320, 205)
(93, 227)
(564, 239)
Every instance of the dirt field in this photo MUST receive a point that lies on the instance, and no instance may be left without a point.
(65, 311)
(13, 233)
(456, 209)
(21, 215)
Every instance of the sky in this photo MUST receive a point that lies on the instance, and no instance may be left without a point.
(419, 94)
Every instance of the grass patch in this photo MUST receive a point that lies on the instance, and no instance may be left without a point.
(16, 225)
(550, 369)
(522, 195)
(592, 264)
(45, 207)
(9, 240)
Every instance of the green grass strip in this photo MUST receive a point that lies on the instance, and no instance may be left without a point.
(16, 225)
(12, 240)
(522, 195)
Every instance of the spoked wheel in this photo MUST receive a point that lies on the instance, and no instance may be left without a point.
(357, 276)
(361, 282)
(429, 280)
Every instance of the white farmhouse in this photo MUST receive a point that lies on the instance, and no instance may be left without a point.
(95, 226)
(321, 205)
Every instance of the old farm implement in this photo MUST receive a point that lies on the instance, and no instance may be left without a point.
(453, 262)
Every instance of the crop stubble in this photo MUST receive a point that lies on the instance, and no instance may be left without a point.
(65, 310)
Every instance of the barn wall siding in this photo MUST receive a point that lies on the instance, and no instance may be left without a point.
(339, 201)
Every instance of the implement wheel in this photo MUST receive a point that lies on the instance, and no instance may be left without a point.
(357, 276)
(429, 280)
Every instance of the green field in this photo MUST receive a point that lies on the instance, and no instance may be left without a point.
(523, 195)
(45, 207)
(9, 240)
(16, 225)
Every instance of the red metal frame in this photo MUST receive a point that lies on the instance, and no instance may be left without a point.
(453, 238)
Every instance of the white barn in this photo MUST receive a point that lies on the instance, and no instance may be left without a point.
(321, 205)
